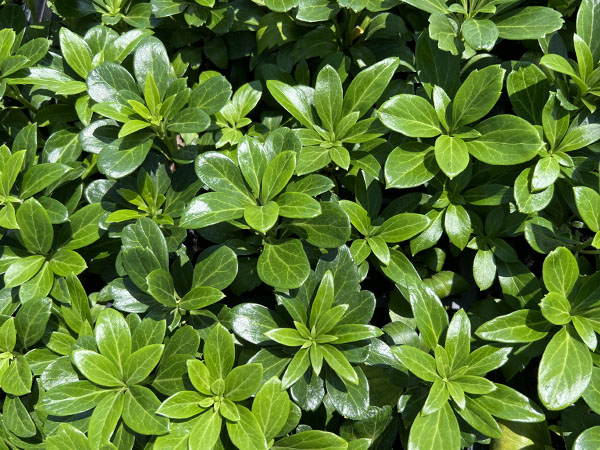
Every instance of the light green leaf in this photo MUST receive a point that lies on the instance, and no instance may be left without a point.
(139, 412)
(565, 370)
(588, 206)
(328, 97)
(283, 264)
(560, 271)
(97, 368)
(532, 22)
(480, 34)
(520, 326)
(556, 308)
(410, 115)
(219, 351)
(366, 87)
(451, 154)
(438, 430)
(477, 95)
(505, 140)
(35, 227)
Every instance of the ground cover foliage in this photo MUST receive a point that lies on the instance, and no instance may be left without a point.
(299, 224)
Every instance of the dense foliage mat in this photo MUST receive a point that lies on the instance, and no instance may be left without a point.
(299, 224)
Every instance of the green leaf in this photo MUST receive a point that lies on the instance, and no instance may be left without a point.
(212, 208)
(161, 287)
(430, 6)
(328, 97)
(131, 126)
(283, 264)
(509, 404)
(151, 57)
(253, 160)
(505, 140)
(410, 115)
(293, 100)
(556, 308)
(200, 297)
(587, 201)
(298, 205)
(219, 351)
(338, 362)
(451, 154)
(17, 379)
(484, 269)
(139, 412)
(189, 120)
(410, 165)
(8, 335)
(35, 227)
(297, 367)
(72, 398)
(588, 28)
(480, 34)
(181, 405)
(417, 361)
(457, 223)
(17, 419)
(311, 439)
(243, 381)
(479, 418)
(366, 88)
(565, 370)
(358, 216)
(444, 29)
(379, 248)
(438, 430)
(206, 430)
(31, 320)
(580, 137)
(528, 88)
(97, 368)
(211, 94)
(113, 336)
(402, 227)
(66, 262)
(222, 175)
(22, 270)
(520, 326)
(527, 200)
(277, 174)
(271, 406)
(124, 155)
(105, 418)
(200, 376)
(477, 95)
(545, 173)
(286, 336)
(40, 177)
(76, 52)
(560, 271)
(141, 363)
(437, 398)
(246, 432)
(216, 269)
(590, 438)
(330, 229)
(106, 80)
(532, 22)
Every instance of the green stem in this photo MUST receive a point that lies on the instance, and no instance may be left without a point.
(16, 94)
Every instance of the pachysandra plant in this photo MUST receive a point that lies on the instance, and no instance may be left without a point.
(274, 224)
(469, 26)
